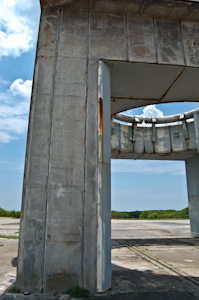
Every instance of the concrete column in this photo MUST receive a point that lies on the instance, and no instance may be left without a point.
(104, 182)
(192, 172)
(63, 242)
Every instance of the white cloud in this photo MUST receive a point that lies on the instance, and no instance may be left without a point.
(12, 165)
(6, 137)
(148, 167)
(21, 88)
(148, 111)
(3, 82)
(152, 111)
(14, 110)
(19, 22)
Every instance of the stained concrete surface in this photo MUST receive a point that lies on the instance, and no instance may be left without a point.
(150, 228)
(8, 252)
(134, 275)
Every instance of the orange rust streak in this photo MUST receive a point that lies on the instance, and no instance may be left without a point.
(101, 115)
(100, 103)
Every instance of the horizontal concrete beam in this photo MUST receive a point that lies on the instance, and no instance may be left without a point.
(173, 9)
(51, 3)
(156, 120)
(177, 142)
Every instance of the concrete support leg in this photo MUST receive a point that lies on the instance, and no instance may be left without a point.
(63, 243)
(192, 172)
(104, 191)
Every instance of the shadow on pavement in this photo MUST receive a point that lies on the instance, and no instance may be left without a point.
(162, 241)
(14, 262)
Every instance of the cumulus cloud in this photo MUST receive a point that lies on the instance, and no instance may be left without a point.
(148, 167)
(152, 111)
(21, 88)
(19, 22)
(148, 111)
(14, 109)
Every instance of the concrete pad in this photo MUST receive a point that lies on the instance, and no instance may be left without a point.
(9, 226)
(173, 295)
(134, 276)
(132, 273)
(178, 258)
(150, 228)
(123, 257)
(8, 262)
(8, 252)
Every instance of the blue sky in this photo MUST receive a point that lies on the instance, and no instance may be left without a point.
(136, 185)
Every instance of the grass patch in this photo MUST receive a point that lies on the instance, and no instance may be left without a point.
(14, 290)
(1, 245)
(9, 237)
(77, 292)
(55, 294)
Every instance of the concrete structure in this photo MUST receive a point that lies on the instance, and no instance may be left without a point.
(176, 141)
(94, 58)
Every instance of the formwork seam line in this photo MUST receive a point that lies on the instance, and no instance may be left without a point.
(50, 140)
(182, 42)
(127, 37)
(85, 155)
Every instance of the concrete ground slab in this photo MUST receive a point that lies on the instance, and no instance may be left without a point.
(8, 262)
(150, 228)
(174, 295)
(8, 252)
(134, 274)
(9, 226)
(178, 257)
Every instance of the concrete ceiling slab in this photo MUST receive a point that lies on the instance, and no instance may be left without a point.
(185, 88)
(141, 80)
(139, 84)
(118, 105)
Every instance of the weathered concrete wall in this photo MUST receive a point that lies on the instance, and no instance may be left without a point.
(58, 235)
(161, 143)
(192, 173)
(59, 223)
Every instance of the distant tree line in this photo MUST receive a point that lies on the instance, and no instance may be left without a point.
(146, 214)
(11, 214)
(151, 214)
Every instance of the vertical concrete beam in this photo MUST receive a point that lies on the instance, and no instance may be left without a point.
(34, 199)
(141, 39)
(169, 42)
(58, 235)
(107, 36)
(104, 191)
(192, 172)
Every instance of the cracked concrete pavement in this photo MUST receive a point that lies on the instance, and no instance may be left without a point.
(152, 259)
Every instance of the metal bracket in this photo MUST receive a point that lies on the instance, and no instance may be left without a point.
(134, 132)
(154, 132)
(196, 125)
(184, 127)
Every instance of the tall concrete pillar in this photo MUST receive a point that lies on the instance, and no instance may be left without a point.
(104, 182)
(192, 173)
(65, 219)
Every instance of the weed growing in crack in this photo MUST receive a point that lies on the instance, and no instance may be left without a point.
(77, 292)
